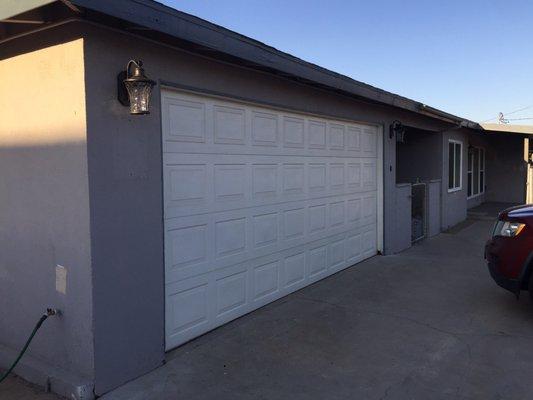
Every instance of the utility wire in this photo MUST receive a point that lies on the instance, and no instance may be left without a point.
(518, 119)
(510, 113)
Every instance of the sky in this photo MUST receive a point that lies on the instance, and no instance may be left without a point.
(470, 58)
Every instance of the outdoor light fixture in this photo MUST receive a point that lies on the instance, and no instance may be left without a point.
(398, 130)
(134, 88)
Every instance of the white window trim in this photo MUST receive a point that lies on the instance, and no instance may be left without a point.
(460, 187)
(480, 169)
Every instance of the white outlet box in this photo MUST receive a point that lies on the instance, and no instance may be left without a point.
(61, 279)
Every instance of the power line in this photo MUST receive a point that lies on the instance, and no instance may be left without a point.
(509, 113)
(518, 119)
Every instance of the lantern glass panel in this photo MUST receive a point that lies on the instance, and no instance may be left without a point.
(139, 93)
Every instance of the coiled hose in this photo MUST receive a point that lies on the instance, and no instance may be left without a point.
(49, 312)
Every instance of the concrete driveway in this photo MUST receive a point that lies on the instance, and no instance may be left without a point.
(425, 324)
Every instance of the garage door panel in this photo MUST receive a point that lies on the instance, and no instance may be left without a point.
(200, 124)
(231, 289)
(203, 243)
(240, 288)
(258, 203)
(220, 182)
(229, 149)
(187, 304)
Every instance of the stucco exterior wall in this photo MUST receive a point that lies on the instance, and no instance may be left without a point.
(419, 158)
(506, 170)
(44, 209)
(453, 202)
(126, 185)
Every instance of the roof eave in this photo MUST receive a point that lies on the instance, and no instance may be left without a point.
(169, 22)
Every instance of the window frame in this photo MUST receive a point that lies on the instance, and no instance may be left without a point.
(481, 169)
(460, 187)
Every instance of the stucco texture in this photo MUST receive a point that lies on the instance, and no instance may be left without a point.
(44, 207)
(126, 184)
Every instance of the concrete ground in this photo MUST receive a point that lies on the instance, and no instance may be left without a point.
(425, 324)
(14, 388)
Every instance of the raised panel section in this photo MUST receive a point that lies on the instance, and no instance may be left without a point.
(369, 175)
(187, 182)
(317, 261)
(230, 236)
(317, 135)
(294, 269)
(230, 182)
(353, 138)
(353, 246)
(188, 245)
(369, 241)
(336, 176)
(369, 141)
(186, 121)
(317, 218)
(369, 207)
(265, 229)
(317, 178)
(188, 308)
(336, 137)
(336, 253)
(264, 129)
(293, 178)
(354, 210)
(265, 181)
(293, 132)
(229, 125)
(231, 292)
(354, 175)
(266, 278)
(294, 223)
(336, 214)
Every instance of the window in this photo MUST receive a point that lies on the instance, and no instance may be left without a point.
(476, 171)
(455, 160)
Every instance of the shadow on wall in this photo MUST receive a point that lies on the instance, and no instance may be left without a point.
(44, 223)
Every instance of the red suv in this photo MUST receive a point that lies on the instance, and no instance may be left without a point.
(509, 252)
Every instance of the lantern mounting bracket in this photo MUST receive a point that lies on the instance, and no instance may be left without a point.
(122, 93)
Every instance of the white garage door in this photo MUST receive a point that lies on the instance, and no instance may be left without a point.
(258, 203)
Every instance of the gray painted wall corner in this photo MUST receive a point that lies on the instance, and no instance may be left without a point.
(44, 218)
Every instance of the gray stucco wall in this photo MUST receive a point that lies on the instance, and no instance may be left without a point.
(44, 209)
(453, 203)
(419, 158)
(434, 207)
(505, 173)
(506, 170)
(126, 185)
(403, 216)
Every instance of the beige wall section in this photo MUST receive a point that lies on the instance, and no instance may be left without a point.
(44, 208)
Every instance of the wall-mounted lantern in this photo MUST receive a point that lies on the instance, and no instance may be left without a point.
(397, 130)
(134, 88)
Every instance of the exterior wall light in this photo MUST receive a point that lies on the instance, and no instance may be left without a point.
(134, 88)
(398, 130)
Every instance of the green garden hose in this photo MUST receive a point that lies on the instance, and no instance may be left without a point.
(49, 312)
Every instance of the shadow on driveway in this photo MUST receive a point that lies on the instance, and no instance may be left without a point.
(425, 324)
